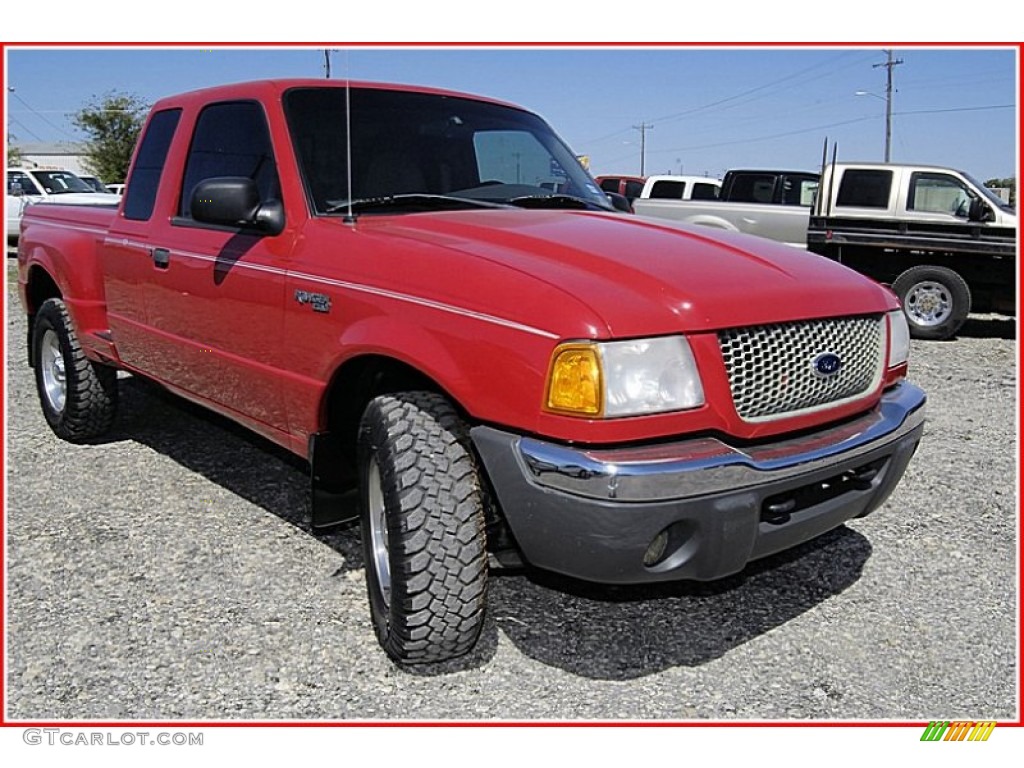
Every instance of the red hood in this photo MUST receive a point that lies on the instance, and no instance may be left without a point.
(638, 276)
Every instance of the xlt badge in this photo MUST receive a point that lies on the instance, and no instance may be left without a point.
(320, 302)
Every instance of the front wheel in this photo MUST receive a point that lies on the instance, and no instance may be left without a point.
(936, 301)
(78, 396)
(422, 516)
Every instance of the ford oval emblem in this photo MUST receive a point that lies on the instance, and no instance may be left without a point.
(827, 364)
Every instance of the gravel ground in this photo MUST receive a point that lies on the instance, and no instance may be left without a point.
(167, 573)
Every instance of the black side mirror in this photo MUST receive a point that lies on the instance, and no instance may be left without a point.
(234, 201)
(979, 211)
(619, 202)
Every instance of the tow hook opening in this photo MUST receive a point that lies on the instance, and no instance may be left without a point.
(779, 509)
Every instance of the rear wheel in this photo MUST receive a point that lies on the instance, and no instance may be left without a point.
(424, 541)
(78, 396)
(936, 301)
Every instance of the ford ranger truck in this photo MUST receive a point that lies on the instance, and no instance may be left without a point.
(425, 296)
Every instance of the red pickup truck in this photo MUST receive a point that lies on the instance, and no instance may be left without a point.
(424, 295)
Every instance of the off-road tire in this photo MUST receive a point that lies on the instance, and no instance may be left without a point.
(423, 528)
(88, 403)
(935, 300)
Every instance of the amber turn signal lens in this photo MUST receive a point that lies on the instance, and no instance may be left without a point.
(574, 384)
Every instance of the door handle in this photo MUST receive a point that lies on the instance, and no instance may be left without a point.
(161, 258)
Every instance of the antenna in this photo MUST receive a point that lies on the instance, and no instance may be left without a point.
(821, 176)
(349, 217)
(832, 176)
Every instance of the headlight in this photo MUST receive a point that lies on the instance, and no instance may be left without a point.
(899, 338)
(624, 378)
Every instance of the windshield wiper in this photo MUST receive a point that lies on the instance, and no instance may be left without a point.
(412, 201)
(556, 201)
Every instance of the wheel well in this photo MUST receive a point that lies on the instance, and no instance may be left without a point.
(356, 383)
(352, 388)
(40, 287)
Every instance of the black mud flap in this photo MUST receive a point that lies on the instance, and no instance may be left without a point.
(333, 484)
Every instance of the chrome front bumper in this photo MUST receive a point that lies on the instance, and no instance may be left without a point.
(593, 513)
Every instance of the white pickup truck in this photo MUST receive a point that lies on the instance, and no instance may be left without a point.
(771, 204)
(26, 186)
(946, 243)
(674, 187)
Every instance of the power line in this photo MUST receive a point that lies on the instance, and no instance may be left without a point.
(764, 87)
(836, 125)
(25, 128)
(41, 117)
(749, 92)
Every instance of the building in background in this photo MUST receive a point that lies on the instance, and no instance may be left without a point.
(66, 155)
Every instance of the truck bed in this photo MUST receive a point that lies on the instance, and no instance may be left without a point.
(783, 223)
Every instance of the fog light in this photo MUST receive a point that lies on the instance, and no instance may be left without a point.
(656, 550)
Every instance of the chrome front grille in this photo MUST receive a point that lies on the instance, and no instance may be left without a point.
(775, 370)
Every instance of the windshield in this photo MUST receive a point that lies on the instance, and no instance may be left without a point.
(422, 144)
(61, 182)
(96, 184)
(991, 196)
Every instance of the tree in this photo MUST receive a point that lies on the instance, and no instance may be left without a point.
(1010, 183)
(13, 153)
(112, 123)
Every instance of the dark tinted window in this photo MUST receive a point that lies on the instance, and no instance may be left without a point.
(20, 181)
(633, 189)
(752, 188)
(610, 185)
(231, 139)
(140, 195)
(668, 190)
(423, 143)
(704, 192)
(865, 188)
(799, 189)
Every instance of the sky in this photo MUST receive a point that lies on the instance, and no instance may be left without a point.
(711, 108)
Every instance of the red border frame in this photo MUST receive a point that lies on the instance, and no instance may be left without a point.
(5, 723)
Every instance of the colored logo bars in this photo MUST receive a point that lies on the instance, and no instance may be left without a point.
(963, 730)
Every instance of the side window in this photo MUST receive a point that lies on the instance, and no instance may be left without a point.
(18, 181)
(798, 190)
(230, 139)
(864, 188)
(752, 188)
(704, 192)
(633, 189)
(668, 190)
(610, 185)
(140, 196)
(938, 193)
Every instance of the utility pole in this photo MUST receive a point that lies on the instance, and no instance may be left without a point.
(643, 128)
(889, 63)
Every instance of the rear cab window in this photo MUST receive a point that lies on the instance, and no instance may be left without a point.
(864, 188)
(665, 189)
(140, 194)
